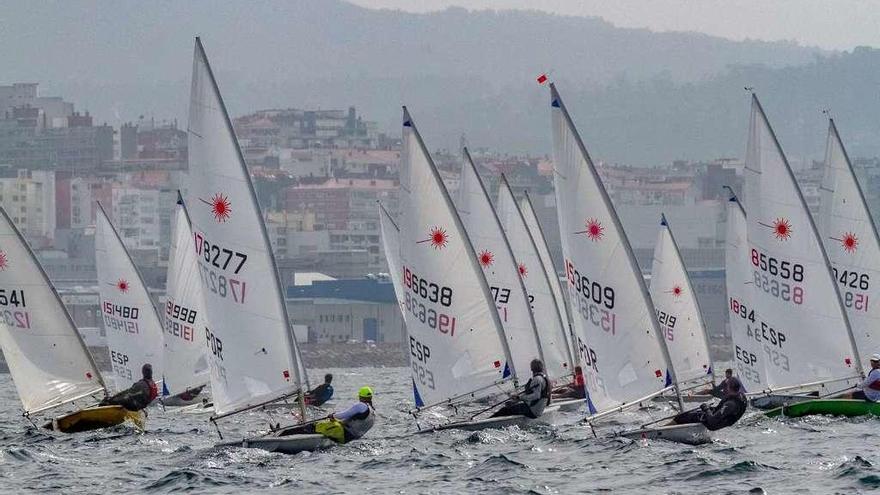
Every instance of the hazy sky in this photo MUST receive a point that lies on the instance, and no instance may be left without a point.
(833, 24)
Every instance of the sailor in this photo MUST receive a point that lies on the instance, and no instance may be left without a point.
(322, 393)
(871, 386)
(139, 395)
(726, 413)
(533, 399)
(720, 390)
(359, 418)
(574, 390)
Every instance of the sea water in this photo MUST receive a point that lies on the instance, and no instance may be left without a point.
(177, 454)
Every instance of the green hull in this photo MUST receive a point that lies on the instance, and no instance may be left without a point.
(833, 407)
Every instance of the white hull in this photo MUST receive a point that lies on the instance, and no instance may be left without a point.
(691, 434)
(778, 400)
(292, 444)
(566, 405)
(481, 424)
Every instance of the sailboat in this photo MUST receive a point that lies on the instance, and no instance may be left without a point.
(458, 351)
(186, 361)
(506, 277)
(132, 324)
(800, 322)
(47, 358)
(553, 329)
(622, 348)
(850, 237)
(253, 354)
(678, 313)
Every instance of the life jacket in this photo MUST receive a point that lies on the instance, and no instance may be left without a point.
(154, 390)
(546, 392)
(537, 405)
(359, 424)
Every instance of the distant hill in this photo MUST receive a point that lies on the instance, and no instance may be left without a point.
(459, 71)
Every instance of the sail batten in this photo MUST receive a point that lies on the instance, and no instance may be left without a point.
(800, 323)
(253, 355)
(47, 357)
(621, 346)
(131, 322)
(457, 346)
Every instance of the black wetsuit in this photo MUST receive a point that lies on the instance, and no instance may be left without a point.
(319, 395)
(531, 402)
(725, 414)
(136, 397)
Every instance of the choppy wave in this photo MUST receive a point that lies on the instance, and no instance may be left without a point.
(177, 454)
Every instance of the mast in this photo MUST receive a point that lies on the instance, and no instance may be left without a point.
(815, 233)
(556, 101)
(543, 270)
(469, 247)
(78, 338)
(552, 277)
(140, 280)
(687, 280)
(512, 268)
(290, 351)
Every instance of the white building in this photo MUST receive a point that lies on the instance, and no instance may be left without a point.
(29, 199)
(136, 217)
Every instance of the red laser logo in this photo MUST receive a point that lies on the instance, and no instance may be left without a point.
(437, 237)
(594, 230)
(220, 205)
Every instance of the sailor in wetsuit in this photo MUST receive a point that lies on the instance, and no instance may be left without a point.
(575, 390)
(359, 418)
(139, 395)
(720, 390)
(533, 399)
(871, 386)
(322, 393)
(725, 414)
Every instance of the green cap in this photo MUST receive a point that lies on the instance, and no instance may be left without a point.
(365, 393)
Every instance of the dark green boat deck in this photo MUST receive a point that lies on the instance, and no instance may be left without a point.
(832, 407)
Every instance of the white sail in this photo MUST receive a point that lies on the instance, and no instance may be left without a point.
(622, 351)
(851, 241)
(552, 329)
(748, 355)
(131, 322)
(391, 246)
(801, 324)
(537, 233)
(499, 266)
(45, 353)
(678, 311)
(186, 360)
(253, 358)
(456, 341)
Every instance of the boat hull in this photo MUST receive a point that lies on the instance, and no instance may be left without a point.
(290, 444)
(95, 418)
(481, 424)
(565, 405)
(690, 434)
(833, 407)
(774, 401)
